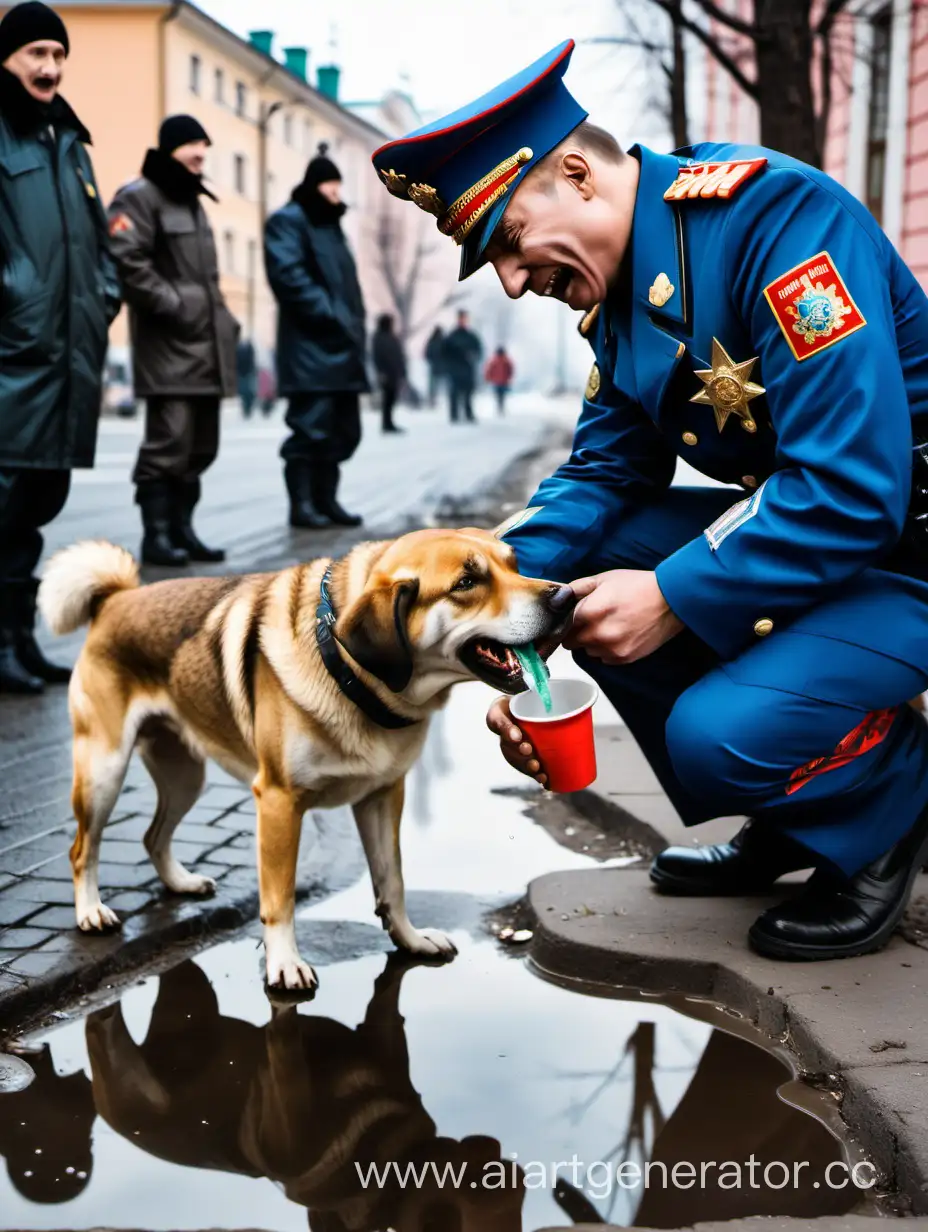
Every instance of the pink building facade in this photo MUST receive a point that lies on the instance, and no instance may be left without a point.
(877, 132)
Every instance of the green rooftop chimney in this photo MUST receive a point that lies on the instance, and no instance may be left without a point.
(263, 40)
(295, 60)
(327, 76)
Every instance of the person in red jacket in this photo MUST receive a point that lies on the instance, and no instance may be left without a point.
(499, 373)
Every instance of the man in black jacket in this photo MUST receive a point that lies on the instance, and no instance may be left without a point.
(58, 294)
(390, 366)
(183, 335)
(320, 343)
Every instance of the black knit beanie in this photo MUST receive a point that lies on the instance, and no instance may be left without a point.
(321, 168)
(31, 22)
(177, 130)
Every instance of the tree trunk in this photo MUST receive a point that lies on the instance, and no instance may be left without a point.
(679, 120)
(784, 54)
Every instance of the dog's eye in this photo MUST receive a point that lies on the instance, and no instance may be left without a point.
(464, 583)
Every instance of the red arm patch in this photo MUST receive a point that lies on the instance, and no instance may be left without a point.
(813, 307)
(120, 223)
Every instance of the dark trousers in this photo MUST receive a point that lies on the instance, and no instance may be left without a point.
(436, 379)
(323, 428)
(807, 729)
(501, 391)
(29, 500)
(181, 439)
(460, 394)
(388, 394)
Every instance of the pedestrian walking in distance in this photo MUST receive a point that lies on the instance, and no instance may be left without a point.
(246, 370)
(320, 343)
(461, 357)
(390, 365)
(58, 294)
(435, 360)
(499, 373)
(183, 336)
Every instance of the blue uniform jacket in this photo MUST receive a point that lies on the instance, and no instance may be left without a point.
(826, 473)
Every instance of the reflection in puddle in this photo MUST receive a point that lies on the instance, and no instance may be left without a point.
(215, 1110)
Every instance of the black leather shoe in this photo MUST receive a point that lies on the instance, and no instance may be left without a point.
(183, 536)
(14, 678)
(840, 917)
(303, 513)
(325, 477)
(156, 501)
(749, 864)
(28, 651)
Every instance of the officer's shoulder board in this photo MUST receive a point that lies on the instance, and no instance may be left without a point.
(713, 179)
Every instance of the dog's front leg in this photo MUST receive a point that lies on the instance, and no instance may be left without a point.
(378, 819)
(280, 819)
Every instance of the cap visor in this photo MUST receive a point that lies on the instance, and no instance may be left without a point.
(473, 250)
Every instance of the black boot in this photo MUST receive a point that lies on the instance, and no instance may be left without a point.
(749, 864)
(14, 677)
(840, 917)
(183, 536)
(28, 650)
(155, 498)
(303, 513)
(325, 477)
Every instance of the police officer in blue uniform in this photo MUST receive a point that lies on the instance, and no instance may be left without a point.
(747, 314)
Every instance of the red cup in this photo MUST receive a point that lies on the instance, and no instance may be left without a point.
(563, 736)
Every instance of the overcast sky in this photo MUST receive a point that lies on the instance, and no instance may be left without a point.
(445, 54)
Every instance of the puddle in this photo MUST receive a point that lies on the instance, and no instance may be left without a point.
(190, 1102)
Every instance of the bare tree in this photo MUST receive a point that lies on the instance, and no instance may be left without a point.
(402, 256)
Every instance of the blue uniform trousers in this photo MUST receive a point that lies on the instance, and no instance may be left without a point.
(808, 729)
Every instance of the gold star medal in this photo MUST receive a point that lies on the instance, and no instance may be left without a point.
(728, 389)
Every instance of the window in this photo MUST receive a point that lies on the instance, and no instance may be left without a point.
(195, 67)
(239, 177)
(219, 85)
(878, 122)
(241, 98)
(229, 244)
(288, 130)
(307, 137)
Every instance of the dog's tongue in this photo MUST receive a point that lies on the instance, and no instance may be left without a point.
(534, 672)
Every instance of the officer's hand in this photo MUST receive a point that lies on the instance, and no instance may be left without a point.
(518, 752)
(622, 616)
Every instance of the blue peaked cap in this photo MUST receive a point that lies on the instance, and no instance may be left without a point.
(465, 167)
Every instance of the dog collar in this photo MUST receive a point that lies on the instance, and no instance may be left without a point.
(350, 684)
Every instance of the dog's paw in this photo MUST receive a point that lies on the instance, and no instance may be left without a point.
(291, 975)
(193, 883)
(97, 919)
(429, 943)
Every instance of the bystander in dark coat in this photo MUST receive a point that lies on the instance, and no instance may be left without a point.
(58, 294)
(183, 335)
(320, 342)
(461, 357)
(390, 366)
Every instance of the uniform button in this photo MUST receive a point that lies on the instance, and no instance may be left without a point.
(690, 438)
(749, 481)
(763, 627)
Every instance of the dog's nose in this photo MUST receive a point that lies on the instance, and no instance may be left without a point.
(561, 599)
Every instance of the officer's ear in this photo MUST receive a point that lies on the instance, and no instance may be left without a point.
(576, 169)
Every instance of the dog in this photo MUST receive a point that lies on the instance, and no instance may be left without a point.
(314, 685)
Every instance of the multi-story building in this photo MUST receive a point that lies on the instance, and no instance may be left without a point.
(134, 61)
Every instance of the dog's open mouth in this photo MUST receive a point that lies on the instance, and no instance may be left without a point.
(493, 663)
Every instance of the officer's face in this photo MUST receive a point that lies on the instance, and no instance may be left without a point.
(39, 66)
(560, 236)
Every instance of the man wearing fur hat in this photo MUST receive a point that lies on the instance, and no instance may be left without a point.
(57, 297)
(183, 335)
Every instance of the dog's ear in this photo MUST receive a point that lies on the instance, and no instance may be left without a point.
(374, 631)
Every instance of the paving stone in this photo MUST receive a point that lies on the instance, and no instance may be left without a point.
(16, 910)
(128, 901)
(42, 890)
(52, 917)
(35, 963)
(233, 855)
(133, 830)
(118, 852)
(23, 938)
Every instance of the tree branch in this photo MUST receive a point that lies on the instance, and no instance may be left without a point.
(713, 10)
(827, 20)
(714, 47)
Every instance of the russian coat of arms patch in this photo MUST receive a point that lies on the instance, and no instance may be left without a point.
(813, 307)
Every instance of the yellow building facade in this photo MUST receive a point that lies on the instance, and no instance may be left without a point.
(132, 62)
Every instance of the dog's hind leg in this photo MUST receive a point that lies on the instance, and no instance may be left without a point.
(99, 772)
(378, 819)
(178, 775)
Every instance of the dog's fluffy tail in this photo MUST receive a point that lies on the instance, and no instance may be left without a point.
(78, 579)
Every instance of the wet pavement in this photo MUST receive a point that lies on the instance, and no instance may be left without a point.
(192, 1101)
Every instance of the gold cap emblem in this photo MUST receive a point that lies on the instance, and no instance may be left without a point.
(728, 389)
(661, 290)
(427, 198)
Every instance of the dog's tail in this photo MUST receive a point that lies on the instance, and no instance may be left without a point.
(78, 579)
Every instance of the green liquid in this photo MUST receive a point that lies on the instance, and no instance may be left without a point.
(535, 673)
